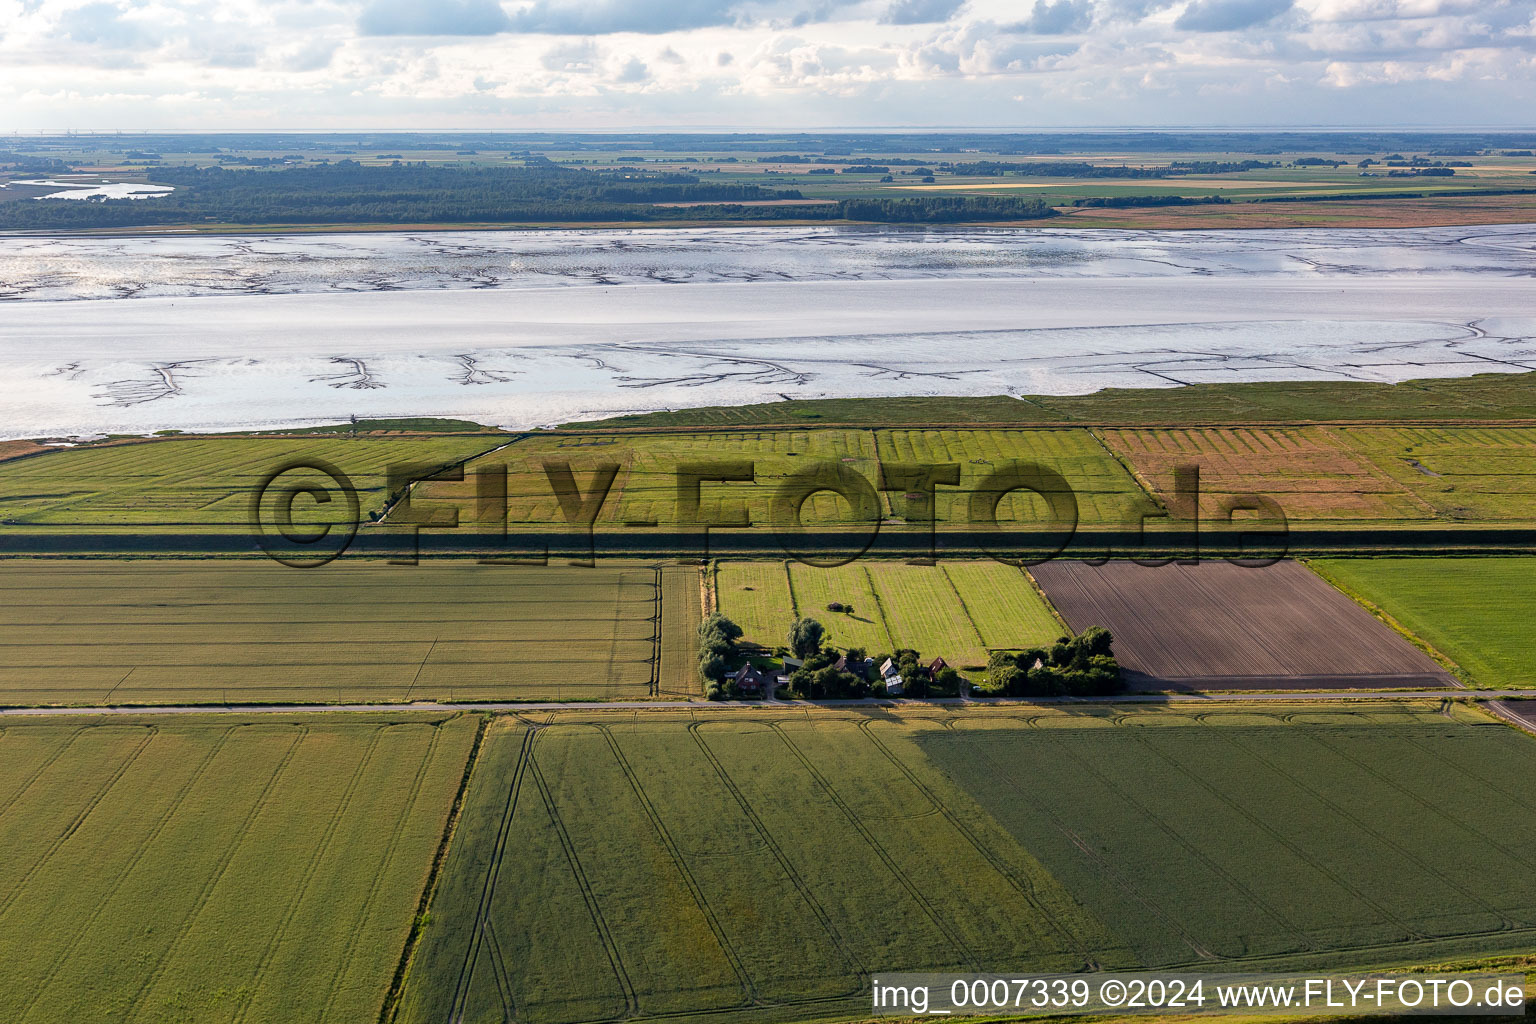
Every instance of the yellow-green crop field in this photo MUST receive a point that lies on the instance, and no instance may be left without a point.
(216, 870)
(1412, 475)
(956, 610)
(645, 489)
(179, 631)
(204, 483)
(763, 865)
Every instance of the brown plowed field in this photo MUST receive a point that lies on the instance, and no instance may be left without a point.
(1218, 626)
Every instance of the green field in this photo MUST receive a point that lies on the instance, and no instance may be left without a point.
(956, 610)
(766, 865)
(204, 483)
(182, 631)
(216, 869)
(1473, 611)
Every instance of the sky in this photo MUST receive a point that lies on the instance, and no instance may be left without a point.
(763, 64)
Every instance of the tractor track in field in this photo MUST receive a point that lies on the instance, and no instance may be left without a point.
(152, 977)
(790, 872)
(1024, 887)
(954, 938)
(680, 862)
(589, 895)
(1344, 815)
(467, 967)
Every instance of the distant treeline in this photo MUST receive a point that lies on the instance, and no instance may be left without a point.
(864, 144)
(1124, 201)
(351, 193)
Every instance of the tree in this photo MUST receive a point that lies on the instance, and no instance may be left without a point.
(721, 624)
(805, 637)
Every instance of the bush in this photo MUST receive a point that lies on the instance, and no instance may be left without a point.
(834, 606)
(1082, 665)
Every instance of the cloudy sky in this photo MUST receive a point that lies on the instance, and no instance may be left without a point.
(554, 64)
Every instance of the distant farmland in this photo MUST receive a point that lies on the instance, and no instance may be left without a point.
(765, 864)
(215, 869)
(87, 632)
(1411, 474)
(1218, 626)
(1475, 611)
(957, 610)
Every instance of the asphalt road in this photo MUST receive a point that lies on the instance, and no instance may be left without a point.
(699, 705)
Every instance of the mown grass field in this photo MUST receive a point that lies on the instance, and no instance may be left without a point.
(1474, 611)
(205, 483)
(216, 869)
(957, 610)
(764, 865)
(138, 632)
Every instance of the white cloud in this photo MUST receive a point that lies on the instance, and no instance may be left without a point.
(759, 63)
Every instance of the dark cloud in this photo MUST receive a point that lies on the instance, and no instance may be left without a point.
(433, 18)
(1055, 19)
(1228, 15)
(921, 12)
(601, 17)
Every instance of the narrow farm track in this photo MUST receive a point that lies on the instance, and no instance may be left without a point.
(1490, 697)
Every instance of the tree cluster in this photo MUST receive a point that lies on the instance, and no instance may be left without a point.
(717, 652)
(1074, 666)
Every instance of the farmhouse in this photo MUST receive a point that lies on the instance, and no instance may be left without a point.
(749, 680)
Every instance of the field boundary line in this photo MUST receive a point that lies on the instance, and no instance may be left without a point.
(1148, 490)
(1093, 856)
(1025, 887)
(488, 884)
(79, 819)
(790, 872)
(1050, 606)
(879, 850)
(388, 1008)
(1194, 851)
(1497, 708)
(1460, 676)
(317, 854)
(655, 683)
(122, 875)
(789, 583)
(153, 976)
(344, 964)
(885, 621)
(748, 987)
(1343, 440)
(605, 935)
(965, 609)
(1509, 924)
